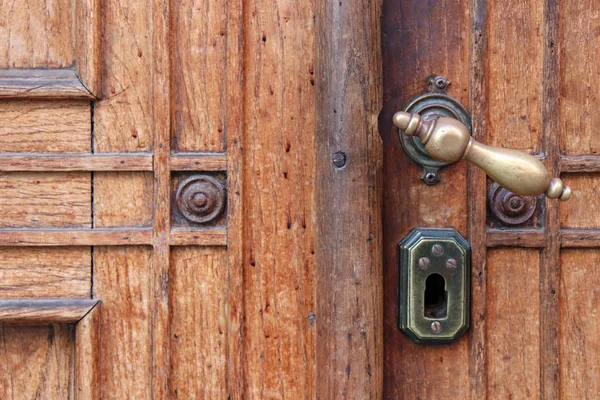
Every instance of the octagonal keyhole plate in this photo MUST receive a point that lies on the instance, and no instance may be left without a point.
(434, 276)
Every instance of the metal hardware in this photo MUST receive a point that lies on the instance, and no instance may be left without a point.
(434, 103)
(448, 140)
(509, 207)
(434, 295)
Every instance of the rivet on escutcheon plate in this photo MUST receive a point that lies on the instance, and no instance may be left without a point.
(436, 327)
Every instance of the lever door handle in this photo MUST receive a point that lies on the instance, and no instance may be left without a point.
(447, 139)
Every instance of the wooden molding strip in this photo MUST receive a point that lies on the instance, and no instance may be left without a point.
(587, 163)
(76, 162)
(198, 162)
(198, 237)
(76, 237)
(580, 238)
(41, 311)
(110, 237)
(108, 162)
(515, 238)
(42, 84)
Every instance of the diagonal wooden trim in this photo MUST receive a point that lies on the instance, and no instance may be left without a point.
(76, 237)
(42, 84)
(580, 238)
(87, 355)
(586, 163)
(40, 311)
(515, 238)
(76, 162)
(198, 237)
(198, 162)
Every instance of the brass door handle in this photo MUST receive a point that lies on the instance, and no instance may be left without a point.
(447, 139)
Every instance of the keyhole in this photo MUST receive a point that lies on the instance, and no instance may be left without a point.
(436, 297)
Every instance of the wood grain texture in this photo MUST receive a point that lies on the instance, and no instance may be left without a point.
(198, 162)
(515, 73)
(123, 119)
(417, 28)
(36, 362)
(122, 199)
(42, 272)
(512, 324)
(45, 200)
(122, 280)
(198, 302)
(87, 37)
(278, 200)
(75, 237)
(200, 74)
(198, 237)
(74, 162)
(586, 163)
(580, 238)
(39, 35)
(549, 268)
(476, 203)
(42, 84)
(87, 356)
(45, 126)
(349, 294)
(579, 324)
(515, 238)
(577, 28)
(44, 311)
(581, 211)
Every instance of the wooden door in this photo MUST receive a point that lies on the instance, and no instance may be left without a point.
(527, 73)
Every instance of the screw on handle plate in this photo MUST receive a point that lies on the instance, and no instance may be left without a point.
(447, 139)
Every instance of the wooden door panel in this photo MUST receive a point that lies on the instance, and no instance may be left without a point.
(528, 86)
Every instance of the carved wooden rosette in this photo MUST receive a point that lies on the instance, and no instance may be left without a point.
(200, 198)
(510, 208)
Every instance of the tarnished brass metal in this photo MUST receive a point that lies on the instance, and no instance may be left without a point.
(434, 285)
(448, 140)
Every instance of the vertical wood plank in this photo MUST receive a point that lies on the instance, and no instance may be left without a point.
(579, 212)
(123, 280)
(513, 319)
(87, 356)
(549, 274)
(516, 68)
(123, 119)
(198, 323)
(579, 325)
(278, 173)
(201, 32)
(36, 362)
(235, 199)
(576, 28)
(88, 60)
(348, 201)
(422, 31)
(161, 128)
(476, 203)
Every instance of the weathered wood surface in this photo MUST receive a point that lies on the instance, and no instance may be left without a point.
(278, 214)
(515, 238)
(87, 355)
(45, 126)
(75, 237)
(44, 311)
(42, 84)
(75, 162)
(42, 272)
(349, 320)
(36, 362)
(415, 32)
(198, 162)
(198, 316)
(45, 200)
(582, 211)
